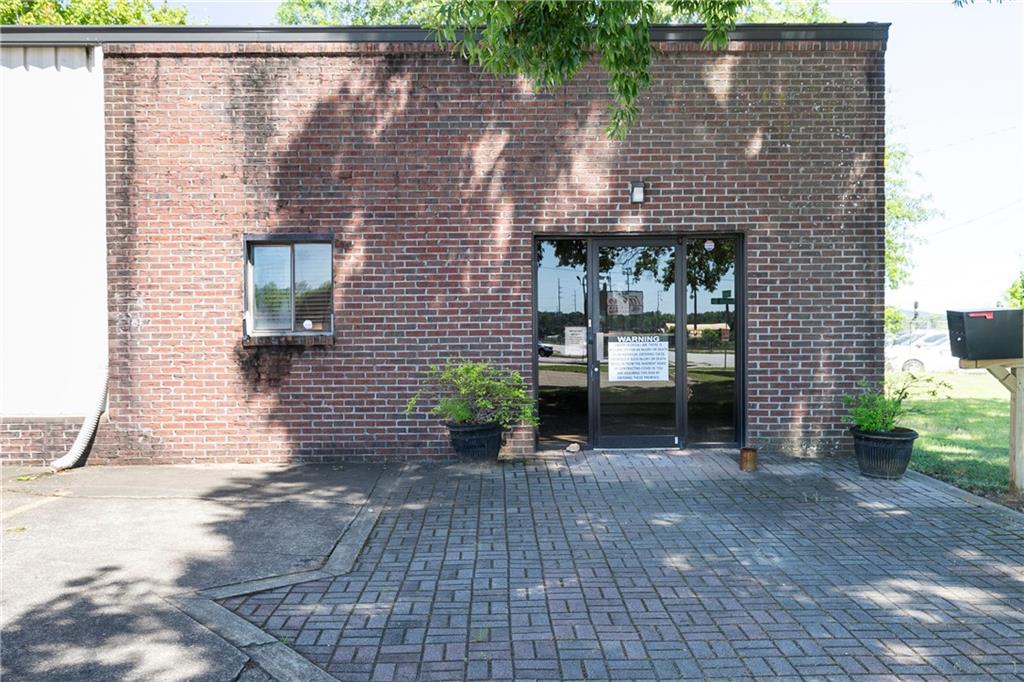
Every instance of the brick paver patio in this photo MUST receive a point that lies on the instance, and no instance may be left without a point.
(657, 566)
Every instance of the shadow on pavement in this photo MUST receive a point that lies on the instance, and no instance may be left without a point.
(84, 581)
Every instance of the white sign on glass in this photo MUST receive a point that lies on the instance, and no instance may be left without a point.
(576, 341)
(637, 358)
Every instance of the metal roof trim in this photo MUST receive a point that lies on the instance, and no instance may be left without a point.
(99, 35)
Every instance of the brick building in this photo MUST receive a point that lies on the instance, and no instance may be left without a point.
(299, 221)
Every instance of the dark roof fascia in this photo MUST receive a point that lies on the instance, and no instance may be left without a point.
(100, 35)
(777, 32)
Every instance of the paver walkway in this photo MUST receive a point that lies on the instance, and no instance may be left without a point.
(657, 566)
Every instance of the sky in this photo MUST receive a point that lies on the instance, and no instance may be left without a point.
(953, 99)
(953, 81)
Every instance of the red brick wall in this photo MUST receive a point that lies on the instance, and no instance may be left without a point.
(36, 440)
(434, 180)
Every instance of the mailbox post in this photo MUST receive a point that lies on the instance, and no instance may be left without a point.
(975, 337)
(1010, 373)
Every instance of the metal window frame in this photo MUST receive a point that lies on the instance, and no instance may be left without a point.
(289, 239)
(681, 242)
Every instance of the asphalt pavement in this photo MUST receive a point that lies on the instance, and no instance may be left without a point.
(90, 555)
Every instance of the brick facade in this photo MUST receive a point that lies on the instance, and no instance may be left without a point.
(36, 440)
(434, 179)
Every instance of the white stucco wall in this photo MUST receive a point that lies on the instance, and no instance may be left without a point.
(53, 282)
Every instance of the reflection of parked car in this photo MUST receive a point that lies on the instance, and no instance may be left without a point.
(544, 350)
(906, 338)
(922, 352)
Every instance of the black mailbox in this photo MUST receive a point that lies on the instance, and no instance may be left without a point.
(986, 334)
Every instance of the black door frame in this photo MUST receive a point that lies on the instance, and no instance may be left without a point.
(594, 247)
(681, 243)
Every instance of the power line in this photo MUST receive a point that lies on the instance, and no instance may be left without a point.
(956, 143)
(974, 219)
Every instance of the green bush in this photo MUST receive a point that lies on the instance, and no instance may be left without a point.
(477, 393)
(882, 409)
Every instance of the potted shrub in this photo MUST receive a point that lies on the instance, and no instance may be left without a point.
(883, 448)
(479, 403)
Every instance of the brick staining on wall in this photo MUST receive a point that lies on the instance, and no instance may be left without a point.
(434, 179)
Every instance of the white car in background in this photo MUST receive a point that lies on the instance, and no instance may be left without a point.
(921, 351)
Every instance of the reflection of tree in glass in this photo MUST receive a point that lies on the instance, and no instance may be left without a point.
(271, 298)
(650, 322)
(705, 269)
(551, 325)
(571, 253)
(659, 261)
(312, 304)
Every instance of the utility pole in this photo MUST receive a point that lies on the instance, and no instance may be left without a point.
(559, 295)
(694, 309)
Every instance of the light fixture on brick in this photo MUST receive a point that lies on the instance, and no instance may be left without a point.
(636, 191)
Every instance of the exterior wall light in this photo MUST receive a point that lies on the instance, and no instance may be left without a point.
(636, 191)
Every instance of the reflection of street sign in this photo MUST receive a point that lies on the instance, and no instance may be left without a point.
(625, 302)
(726, 293)
(725, 300)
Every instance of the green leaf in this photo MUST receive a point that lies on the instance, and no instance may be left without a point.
(551, 41)
(90, 12)
(478, 393)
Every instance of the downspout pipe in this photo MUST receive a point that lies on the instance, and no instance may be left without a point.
(86, 433)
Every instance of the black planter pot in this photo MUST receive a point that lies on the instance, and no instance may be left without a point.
(478, 441)
(883, 454)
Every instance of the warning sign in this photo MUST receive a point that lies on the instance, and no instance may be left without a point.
(637, 358)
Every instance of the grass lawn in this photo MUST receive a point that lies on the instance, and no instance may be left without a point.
(964, 439)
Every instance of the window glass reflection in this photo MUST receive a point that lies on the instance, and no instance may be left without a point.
(272, 297)
(636, 347)
(711, 340)
(313, 303)
(562, 341)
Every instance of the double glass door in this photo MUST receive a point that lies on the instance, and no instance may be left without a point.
(650, 360)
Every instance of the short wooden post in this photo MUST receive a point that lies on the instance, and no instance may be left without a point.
(1017, 432)
(748, 459)
(1010, 373)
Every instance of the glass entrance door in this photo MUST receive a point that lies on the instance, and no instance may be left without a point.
(638, 399)
(638, 341)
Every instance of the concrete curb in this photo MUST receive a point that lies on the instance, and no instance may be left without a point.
(260, 584)
(950, 489)
(221, 621)
(275, 658)
(343, 557)
(283, 663)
